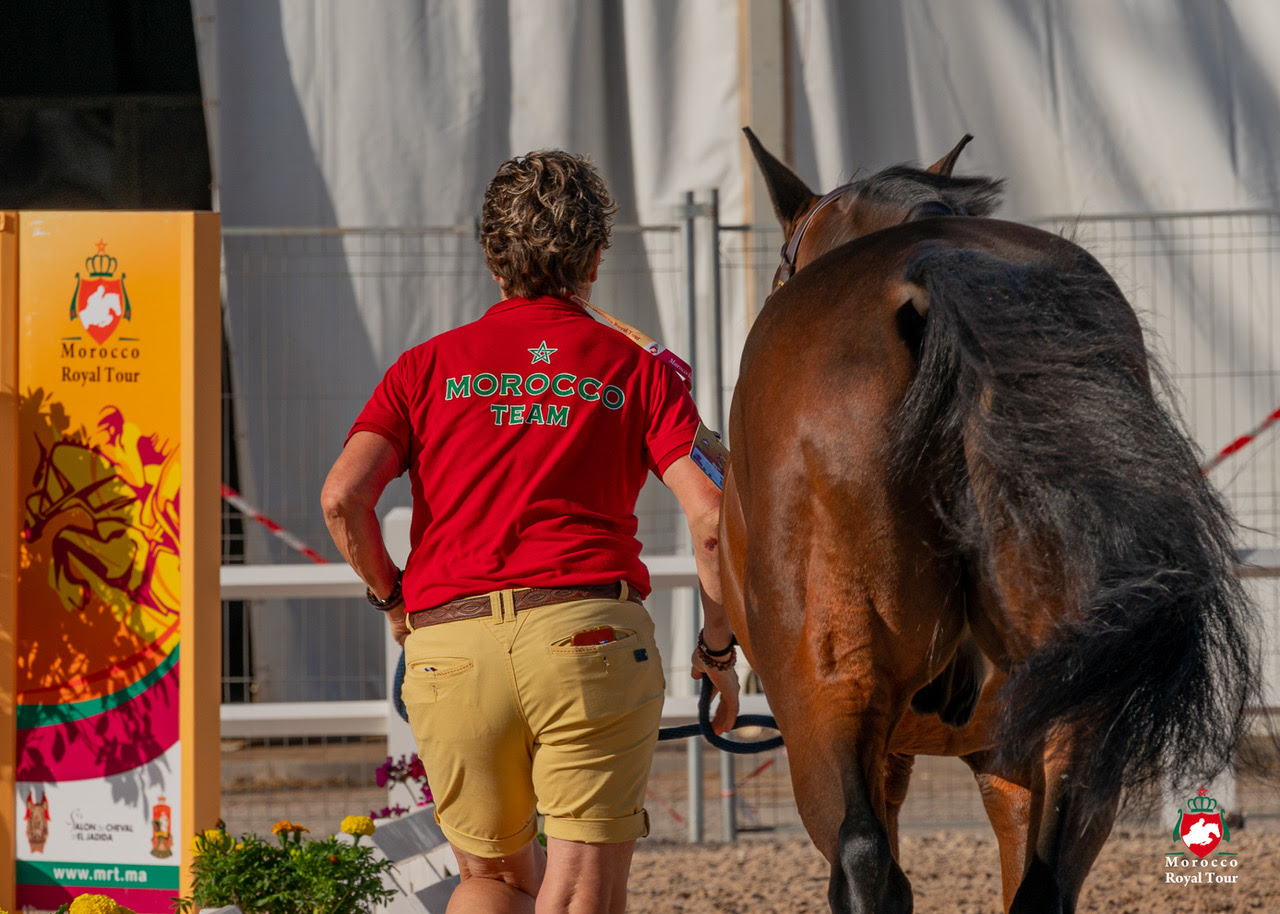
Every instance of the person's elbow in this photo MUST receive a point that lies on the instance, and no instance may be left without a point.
(335, 500)
(355, 483)
(699, 499)
(340, 500)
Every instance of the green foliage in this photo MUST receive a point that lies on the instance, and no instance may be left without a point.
(297, 876)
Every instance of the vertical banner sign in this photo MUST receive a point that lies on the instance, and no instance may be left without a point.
(110, 306)
(8, 539)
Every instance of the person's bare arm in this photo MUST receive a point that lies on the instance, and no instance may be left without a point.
(700, 500)
(350, 496)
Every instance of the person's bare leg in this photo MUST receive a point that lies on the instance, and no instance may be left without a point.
(499, 884)
(585, 878)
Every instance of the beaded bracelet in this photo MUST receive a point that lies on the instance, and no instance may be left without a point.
(394, 599)
(712, 663)
(733, 642)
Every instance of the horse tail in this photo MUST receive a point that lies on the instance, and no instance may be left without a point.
(1032, 412)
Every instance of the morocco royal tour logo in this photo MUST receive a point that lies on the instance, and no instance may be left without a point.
(100, 302)
(1199, 827)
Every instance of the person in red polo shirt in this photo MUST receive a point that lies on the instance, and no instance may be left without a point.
(533, 682)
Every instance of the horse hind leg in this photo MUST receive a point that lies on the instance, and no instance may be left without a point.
(897, 777)
(1069, 836)
(865, 874)
(866, 869)
(839, 777)
(1010, 809)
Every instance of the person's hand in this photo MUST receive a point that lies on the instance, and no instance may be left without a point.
(726, 685)
(399, 628)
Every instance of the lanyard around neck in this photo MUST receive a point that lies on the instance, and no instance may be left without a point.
(647, 343)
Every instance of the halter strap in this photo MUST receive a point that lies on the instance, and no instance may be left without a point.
(789, 250)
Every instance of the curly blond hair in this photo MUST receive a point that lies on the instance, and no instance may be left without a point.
(545, 215)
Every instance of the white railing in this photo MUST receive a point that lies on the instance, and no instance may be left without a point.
(370, 718)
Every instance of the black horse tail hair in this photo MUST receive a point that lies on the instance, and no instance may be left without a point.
(1033, 413)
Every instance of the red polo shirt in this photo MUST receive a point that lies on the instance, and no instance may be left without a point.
(527, 436)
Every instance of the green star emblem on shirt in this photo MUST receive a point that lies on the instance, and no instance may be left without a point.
(541, 354)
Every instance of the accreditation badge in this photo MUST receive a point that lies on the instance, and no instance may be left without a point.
(710, 454)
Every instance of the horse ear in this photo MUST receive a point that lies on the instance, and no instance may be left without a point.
(944, 165)
(789, 195)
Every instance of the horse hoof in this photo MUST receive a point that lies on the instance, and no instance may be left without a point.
(1039, 892)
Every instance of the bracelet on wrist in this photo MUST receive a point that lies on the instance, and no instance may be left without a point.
(717, 660)
(726, 662)
(393, 599)
(733, 642)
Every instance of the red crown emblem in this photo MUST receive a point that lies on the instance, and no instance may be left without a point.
(1200, 828)
(100, 302)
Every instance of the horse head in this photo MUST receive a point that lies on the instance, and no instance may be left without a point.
(814, 224)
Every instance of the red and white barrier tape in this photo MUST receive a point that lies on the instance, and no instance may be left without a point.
(234, 498)
(724, 794)
(671, 810)
(1242, 441)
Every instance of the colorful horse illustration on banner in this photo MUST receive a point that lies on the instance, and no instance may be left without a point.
(98, 682)
(114, 500)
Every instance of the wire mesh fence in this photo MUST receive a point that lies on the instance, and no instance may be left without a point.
(1208, 290)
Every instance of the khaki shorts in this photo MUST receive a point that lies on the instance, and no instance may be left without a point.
(513, 721)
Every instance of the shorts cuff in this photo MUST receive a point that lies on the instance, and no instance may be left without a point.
(489, 847)
(599, 831)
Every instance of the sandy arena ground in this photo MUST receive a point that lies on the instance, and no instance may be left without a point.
(947, 848)
(950, 873)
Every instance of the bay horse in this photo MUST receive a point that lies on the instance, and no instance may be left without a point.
(948, 456)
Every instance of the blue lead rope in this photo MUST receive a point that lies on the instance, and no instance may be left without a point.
(701, 728)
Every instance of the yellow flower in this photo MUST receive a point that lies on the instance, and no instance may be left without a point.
(358, 825)
(93, 904)
(208, 840)
(121, 909)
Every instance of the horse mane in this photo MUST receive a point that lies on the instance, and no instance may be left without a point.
(907, 186)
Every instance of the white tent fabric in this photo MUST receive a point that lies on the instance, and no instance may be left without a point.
(396, 113)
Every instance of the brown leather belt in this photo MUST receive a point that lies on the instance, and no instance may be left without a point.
(525, 598)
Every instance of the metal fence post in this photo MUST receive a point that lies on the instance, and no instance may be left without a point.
(728, 790)
(691, 306)
(717, 315)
